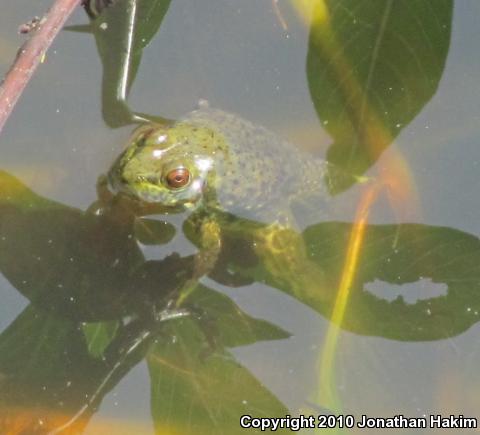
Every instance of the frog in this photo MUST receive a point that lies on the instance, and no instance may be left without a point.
(213, 162)
(217, 160)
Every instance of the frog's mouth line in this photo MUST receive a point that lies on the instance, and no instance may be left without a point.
(158, 203)
(148, 208)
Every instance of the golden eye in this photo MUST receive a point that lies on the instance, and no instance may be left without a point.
(177, 178)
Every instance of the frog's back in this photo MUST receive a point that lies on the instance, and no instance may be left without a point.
(261, 171)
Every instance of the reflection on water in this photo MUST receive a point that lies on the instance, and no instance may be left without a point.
(198, 220)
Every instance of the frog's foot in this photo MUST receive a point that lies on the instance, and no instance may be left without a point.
(284, 256)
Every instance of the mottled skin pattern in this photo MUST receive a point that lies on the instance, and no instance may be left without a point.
(235, 166)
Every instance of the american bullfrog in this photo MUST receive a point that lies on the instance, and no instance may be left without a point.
(214, 161)
(218, 160)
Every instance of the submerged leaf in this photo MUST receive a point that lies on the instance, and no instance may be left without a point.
(392, 256)
(122, 31)
(371, 67)
(99, 335)
(45, 372)
(192, 394)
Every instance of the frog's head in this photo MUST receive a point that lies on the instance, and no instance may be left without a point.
(167, 165)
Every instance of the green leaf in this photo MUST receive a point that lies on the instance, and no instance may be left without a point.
(99, 335)
(372, 66)
(194, 394)
(78, 264)
(44, 363)
(197, 386)
(75, 263)
(122, 31)
(48, 375)
(392, 256)
(228, 325)
(437, 264)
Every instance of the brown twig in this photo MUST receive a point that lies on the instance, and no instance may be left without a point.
(31, 54)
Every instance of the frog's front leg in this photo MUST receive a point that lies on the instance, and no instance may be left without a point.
(209, 251)
(210, 247)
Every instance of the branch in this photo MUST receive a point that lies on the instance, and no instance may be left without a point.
(31, 54)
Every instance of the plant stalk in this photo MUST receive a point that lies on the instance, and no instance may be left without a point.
(31, 54)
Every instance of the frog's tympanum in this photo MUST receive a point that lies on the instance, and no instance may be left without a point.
(216, 161)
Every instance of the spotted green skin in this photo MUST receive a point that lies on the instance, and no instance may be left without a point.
(235, 165)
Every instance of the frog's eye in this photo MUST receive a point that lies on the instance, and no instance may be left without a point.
(178, 177)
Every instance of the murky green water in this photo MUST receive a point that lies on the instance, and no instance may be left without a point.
(86, 285)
